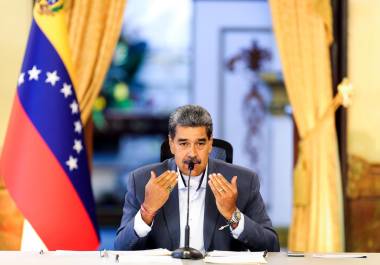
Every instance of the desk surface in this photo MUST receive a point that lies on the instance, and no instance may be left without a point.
(93, 257)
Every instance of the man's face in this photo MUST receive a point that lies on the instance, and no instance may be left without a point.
(191, 143)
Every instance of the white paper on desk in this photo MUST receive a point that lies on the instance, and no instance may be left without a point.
(148, 252)
(149, 259)
(245, 259)
(339, 256)
(221, 253)
(70, 252)
(232, 257)
(159, 255)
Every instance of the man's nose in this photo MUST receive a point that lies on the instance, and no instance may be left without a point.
(193, 150)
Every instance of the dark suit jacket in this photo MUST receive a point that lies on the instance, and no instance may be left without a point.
(258, 233)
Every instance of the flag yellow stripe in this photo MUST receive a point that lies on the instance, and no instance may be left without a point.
(54, 27)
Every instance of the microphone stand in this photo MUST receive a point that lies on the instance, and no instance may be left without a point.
(187, 252)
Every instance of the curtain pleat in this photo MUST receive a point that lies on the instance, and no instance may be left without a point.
(303, 33)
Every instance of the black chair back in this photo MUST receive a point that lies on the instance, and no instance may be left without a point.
(221, 149)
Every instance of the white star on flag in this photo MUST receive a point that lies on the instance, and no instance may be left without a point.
(78, 145)
(33, 73)
(52, 78)
(74, 107)
(72, 163)
(21, 78)
(77, 127)
(66, 90)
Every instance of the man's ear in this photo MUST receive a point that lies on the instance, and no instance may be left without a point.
(171, 145)
(210, 146)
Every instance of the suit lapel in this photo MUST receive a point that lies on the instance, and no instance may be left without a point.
(211, 212)
(171, 212)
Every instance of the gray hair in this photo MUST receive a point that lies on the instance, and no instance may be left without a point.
(190, 116)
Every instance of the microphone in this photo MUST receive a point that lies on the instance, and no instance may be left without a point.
(187, 252)
(191, 163)
(191, 166)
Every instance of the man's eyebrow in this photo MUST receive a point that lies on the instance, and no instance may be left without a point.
(186, 140)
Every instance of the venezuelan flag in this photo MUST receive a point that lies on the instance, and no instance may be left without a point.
(44, 162)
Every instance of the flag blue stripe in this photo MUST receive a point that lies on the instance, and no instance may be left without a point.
(51, 114)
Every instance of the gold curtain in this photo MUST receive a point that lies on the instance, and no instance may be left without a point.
(94, 28)
(303, 32)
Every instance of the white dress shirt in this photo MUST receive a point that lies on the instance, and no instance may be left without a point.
(196, 213)
(196, 209)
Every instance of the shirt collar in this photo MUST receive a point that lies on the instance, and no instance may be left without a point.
(194, 182)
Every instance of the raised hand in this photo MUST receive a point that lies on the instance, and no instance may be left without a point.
(225, 194)
(157, 192)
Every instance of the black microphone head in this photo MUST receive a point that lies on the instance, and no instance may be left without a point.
(190, 162)
(191, 165)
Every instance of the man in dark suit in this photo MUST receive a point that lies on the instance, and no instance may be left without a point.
(226, 209)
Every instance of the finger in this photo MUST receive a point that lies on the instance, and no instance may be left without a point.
(168, 179)
(223, 180)
(216, 184)
(227, 183)
(223, 183)
(166, 183)
(234, 183)
(153, 176)
(214, 190)
(218, 188)
(162, 177)
(172, 184)
(174, 181)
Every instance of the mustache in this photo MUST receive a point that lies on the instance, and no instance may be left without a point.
(192, 160)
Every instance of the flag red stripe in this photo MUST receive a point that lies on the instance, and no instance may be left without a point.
(41, 188)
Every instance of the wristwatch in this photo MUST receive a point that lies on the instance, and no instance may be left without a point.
(236, 216)
(234, 221)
